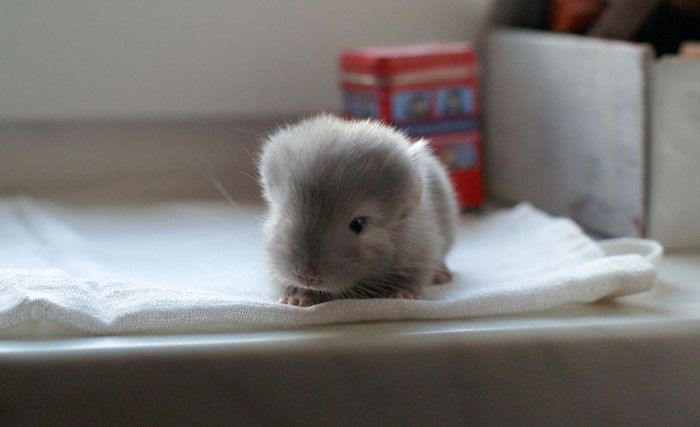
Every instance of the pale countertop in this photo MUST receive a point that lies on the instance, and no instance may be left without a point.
(630, 361)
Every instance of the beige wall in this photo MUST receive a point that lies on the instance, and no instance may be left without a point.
(177, 58)
(112, 160)
(138, 99)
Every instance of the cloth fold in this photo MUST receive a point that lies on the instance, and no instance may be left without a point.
(182, 265)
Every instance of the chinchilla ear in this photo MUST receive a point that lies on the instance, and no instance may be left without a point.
(417, 151)
(417, 192)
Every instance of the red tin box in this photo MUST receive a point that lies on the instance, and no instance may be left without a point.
(427, 90)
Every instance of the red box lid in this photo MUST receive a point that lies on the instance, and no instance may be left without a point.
(392, 60)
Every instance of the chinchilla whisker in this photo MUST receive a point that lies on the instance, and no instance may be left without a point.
(247, 175)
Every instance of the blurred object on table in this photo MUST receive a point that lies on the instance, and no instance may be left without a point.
(671, 24)
(690, 50)
(519, 13)
(573, 16)
(622, 19)
(665, 24)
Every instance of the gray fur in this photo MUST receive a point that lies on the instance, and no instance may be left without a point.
(321, 173)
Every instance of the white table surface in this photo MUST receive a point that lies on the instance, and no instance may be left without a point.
(628, 361)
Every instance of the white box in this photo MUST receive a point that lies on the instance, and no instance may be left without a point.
(568, 122)
(674, 205)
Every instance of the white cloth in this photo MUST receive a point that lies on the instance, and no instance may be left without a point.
(181, 265)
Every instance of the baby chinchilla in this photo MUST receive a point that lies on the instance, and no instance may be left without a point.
(355, 211)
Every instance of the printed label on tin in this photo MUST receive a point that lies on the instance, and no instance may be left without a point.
(432, 103)
(361, 104)
(460, 156)
(455, 101)
(457, 152)
(413, 105)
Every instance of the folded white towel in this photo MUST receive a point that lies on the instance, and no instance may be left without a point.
(117, 269)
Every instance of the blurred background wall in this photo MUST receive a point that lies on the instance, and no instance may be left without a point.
(83, 59)
(147, 99)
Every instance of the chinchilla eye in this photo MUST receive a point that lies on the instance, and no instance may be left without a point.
(358, 224)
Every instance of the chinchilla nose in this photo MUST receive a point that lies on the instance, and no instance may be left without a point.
(308, 275)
